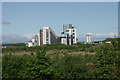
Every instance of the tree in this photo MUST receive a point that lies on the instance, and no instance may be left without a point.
(39, 68)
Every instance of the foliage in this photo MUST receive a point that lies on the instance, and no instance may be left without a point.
(15, 66)
(73, 66)
(62, 65)
(39, 67)
(0, 67)
(107, 62)
(76, 47)
(14, 44)
(26, 66)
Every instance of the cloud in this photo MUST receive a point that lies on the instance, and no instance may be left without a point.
(29, 36)
(6, 23)
(106, 35)
(97, 36)
(89, 33)
(14, 38)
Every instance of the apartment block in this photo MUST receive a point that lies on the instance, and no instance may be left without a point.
(68, 35)
(47, 36)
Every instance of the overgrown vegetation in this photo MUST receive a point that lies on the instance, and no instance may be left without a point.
(14, 44)
(108, 60)
(104, 64)
(76, 47)
(73, 66)
(26, 66)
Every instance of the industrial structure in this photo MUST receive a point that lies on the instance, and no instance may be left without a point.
(68, 35)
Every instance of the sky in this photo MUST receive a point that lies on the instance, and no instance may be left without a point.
(21, 20)
(60, 0)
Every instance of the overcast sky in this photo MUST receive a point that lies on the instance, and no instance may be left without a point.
(26, 18)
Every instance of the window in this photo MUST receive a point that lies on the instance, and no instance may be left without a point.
(47, 34)
(47, 39)
(67, 30)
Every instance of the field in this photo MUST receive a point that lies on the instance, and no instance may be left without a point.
(56, 62)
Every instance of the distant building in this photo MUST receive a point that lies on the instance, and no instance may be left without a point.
(68, 35)
(108, 42)
(47, 36)
(88, 39)
(97, 42)
(34, 41)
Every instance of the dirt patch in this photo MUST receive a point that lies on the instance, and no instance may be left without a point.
(82, 52)
(20, 53)
(56, 51)
(90, 66)
(62, 51)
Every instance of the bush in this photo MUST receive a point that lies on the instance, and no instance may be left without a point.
(26, 66)
(72, 66)
(107, 62)
(15, 66)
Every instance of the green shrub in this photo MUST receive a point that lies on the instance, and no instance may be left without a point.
(107, 62)
(72, 66)
(25, 66)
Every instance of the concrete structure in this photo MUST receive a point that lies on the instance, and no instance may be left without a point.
(34, 41)
(68, 35)
(88, 39)
(47, 36)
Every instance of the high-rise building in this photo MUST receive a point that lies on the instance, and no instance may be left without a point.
(88, 39)
(68, 35)
(47, 36)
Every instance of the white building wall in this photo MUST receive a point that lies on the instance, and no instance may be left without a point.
(69, 41)
(88, 39)
(35, 44)
(75, 40)
(70, 32)
(44, 36)
(39, 38)
(64, 41)
(49, 36)
(30, 44)
(47, 39)
(33, 40)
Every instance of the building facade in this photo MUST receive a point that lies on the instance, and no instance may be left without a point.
(68, 35)
(47, 36)
(88, 39)
(34, 41)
